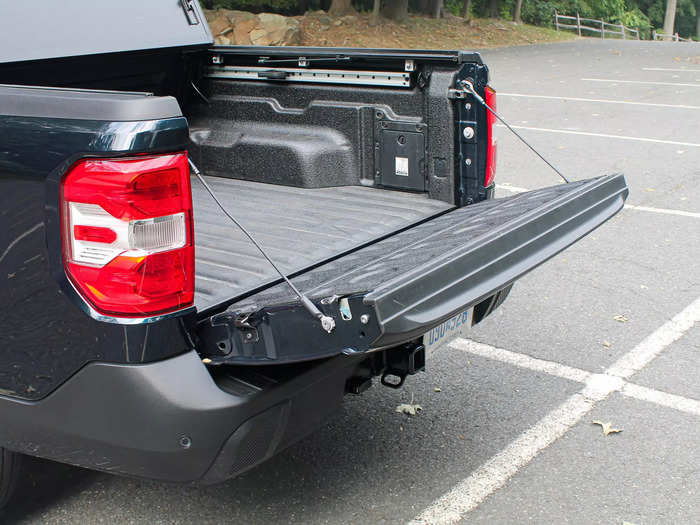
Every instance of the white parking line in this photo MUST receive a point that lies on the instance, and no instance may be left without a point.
(600, 100)
(606, 136)
(652, 346)
(513, 189)
(684, 404)
(671, 69)
(492, 475)
(664, 211)
(640, 82)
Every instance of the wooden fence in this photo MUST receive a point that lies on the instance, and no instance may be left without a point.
(576, 23)
(658, 35)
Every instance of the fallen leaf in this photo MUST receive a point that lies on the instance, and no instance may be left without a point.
(607, 344)
(409, 409)
(620, 318)
(607, 427)
(437, 389)
(206, 360)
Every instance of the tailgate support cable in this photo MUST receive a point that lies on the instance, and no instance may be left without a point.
(468, 86)
(327, 322)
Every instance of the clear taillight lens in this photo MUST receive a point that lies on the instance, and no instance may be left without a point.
(127, 230)
(490, 98)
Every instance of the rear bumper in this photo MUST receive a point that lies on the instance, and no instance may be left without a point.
(171, 420)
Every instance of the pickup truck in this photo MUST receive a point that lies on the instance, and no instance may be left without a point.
(145, 334)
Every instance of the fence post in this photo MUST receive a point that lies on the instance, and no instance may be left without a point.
(602, 28)
(676, 37)
(556, 19)
(578, 23)
(638, 37)
(622, 29)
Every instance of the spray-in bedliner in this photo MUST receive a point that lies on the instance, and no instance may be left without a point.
(298, 228)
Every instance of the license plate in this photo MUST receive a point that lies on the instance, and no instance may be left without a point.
(454, 327)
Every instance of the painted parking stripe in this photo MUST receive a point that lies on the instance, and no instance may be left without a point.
(670, 69)
(521, 360)
(683, 404)
(606, 136)
(646, 82)
(492, 475)
(599, 101)
(651, 209)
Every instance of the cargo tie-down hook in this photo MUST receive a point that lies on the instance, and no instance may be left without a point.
(468, 86)
(327, 322)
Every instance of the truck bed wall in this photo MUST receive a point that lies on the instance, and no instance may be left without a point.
(319, 135)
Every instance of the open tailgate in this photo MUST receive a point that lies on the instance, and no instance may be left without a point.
(398, 288)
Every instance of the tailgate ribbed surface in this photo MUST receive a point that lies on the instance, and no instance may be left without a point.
(376, 267)
(298, 228)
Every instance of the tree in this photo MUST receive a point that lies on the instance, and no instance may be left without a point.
(670, 17)
(396, 10)
(341, 7)
(437, 8)
(466, 9)
(374, 17)
(516, 11)
(493, 8)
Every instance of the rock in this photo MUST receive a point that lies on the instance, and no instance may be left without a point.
(349, 19)
(259, 37)
(324, 20)
(219, 24)
(236, 17)
(241, 31)
(242, 28)
(337, 23)
(272, 22)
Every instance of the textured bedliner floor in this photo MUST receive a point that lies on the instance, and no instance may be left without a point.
(297, 227)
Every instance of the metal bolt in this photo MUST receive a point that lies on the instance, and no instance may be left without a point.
(185, 442)
(364, 318)
(467, 106)
(468, 132)
(468, 162)
(248, 336)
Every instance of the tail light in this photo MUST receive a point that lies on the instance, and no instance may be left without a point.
(127, 234)
(490, 98)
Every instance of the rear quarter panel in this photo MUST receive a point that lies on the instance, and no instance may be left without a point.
(46, 335)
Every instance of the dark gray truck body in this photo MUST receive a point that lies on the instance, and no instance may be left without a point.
(303, 165)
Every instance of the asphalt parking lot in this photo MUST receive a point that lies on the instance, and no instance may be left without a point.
(605, 331)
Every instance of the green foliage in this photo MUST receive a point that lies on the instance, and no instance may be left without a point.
(539, 12)
(644, 14)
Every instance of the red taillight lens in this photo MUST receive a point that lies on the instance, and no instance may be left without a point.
(127, 233)
(490, 98)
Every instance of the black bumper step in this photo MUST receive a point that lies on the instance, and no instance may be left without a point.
(401, 287)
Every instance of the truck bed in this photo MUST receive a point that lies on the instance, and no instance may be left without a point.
(298, 227)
